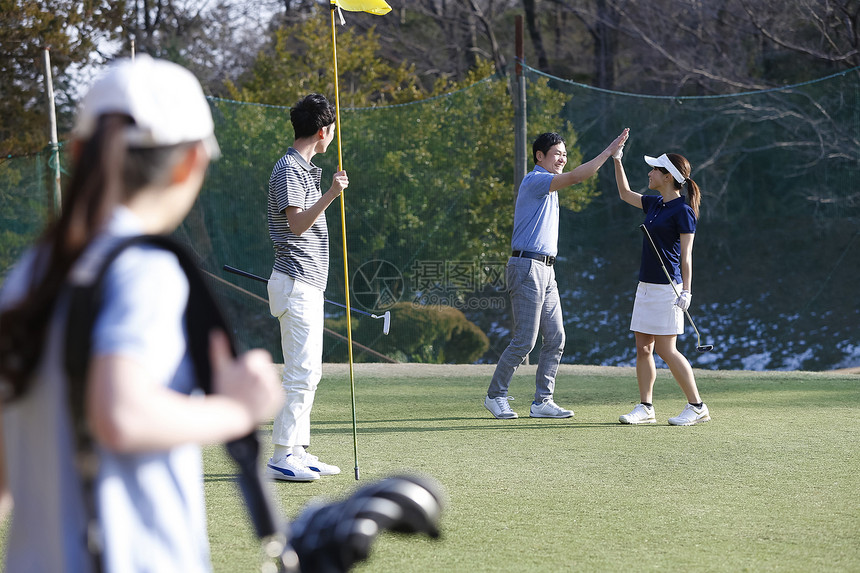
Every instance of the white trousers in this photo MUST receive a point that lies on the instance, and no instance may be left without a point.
(299, 309)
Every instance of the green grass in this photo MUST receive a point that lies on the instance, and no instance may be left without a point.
(771, 484)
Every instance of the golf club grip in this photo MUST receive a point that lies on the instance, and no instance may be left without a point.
(264, 517)
(245, 274)
(245, 452)
(204, 315)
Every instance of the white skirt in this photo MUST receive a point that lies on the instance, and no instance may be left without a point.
(654, 310)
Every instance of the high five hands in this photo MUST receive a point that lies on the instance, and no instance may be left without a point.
(617, 146)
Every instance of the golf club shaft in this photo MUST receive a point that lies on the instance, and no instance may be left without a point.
(246, 274)
(669, 278)
(352, 309)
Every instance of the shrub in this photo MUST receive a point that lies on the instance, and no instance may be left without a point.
(430, 334)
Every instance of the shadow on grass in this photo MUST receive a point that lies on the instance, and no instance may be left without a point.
(220, 477)
(367, 426)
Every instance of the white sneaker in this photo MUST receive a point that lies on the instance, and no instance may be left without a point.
(499, 407)
(314, 464)
(641, 414)
(549, 409)
(290, 468)
(691, 415)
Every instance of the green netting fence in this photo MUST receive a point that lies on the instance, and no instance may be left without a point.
(430, 204)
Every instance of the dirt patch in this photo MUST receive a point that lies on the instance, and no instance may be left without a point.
(855, 370)
(416, 370)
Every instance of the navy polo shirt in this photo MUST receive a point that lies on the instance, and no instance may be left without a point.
(666, 222)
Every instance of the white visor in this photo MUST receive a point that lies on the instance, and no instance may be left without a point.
(664, 162)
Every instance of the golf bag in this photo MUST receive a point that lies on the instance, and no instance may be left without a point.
(324, 538)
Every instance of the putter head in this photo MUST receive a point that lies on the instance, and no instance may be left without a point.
(705, 348)
(386, 323)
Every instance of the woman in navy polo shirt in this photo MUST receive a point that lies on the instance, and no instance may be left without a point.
(658, 313)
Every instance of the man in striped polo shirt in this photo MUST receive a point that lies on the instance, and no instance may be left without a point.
(297, 226)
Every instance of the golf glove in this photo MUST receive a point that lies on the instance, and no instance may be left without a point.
(619, 154)
(683, 301)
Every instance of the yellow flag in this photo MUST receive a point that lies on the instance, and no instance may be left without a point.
(378, 7)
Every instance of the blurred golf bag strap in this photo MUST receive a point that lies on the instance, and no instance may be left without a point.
(324, 538)
(201, 316)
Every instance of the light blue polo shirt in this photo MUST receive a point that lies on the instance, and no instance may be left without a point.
(151, 505)
(536, 214)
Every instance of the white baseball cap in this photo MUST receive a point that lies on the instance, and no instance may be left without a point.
(164, 99)
(664, 162)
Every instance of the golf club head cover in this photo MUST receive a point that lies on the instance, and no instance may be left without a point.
(684, 299)
(331, 538)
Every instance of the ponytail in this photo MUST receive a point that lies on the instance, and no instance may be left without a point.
(95, 189)
(694, 195)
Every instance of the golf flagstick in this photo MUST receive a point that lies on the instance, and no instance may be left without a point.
(378, 7)
(699, 346)
(343, 235)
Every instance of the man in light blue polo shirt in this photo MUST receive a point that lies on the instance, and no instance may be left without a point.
(530, 276)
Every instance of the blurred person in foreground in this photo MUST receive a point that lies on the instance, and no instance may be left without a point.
(296, 287)
(530, 276)
(143, 140)
(658, 312)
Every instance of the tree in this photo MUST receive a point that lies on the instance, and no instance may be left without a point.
(444, 39)
(72, 31)
(714, 47)
(432, 179)
(217, 41)
(822, 32)
(435, 177)
(298, 60)
(25, 204)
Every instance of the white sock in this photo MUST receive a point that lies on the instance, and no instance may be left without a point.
(280, 452)
(298, 450)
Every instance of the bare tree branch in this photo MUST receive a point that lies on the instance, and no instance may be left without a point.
(813, 14)
(498, 57)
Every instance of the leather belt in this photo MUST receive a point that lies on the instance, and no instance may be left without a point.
(546, 259)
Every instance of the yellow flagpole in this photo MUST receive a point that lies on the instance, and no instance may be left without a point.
(343, 234)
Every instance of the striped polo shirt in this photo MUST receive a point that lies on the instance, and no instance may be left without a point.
(296, 183)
